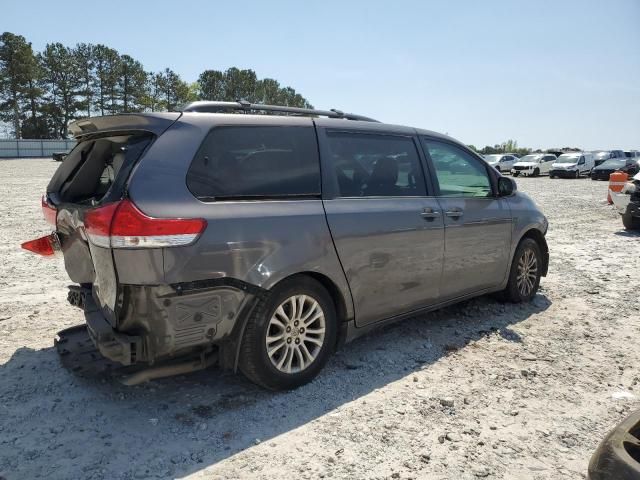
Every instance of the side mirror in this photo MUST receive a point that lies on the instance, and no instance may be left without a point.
(506, 186)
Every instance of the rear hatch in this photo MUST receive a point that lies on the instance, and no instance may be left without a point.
(87, 189)
(92, 176)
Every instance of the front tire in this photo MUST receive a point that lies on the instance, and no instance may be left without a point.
(536, 172)
(290, 335)
(577, 174)
(524, 277)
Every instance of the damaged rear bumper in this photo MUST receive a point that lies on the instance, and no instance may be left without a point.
(118, 347)
(162, 322)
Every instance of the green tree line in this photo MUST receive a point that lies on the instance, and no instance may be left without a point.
(511, 146)
(41, 92)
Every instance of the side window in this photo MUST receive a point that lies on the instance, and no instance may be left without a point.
(372, 165)
(245, 162)
(581, 161)
(459, 174)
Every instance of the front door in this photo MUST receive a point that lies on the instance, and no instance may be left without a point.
(388, 233)
(477, 222)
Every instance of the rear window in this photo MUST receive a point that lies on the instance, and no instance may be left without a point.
(256, 162)
(96, 170)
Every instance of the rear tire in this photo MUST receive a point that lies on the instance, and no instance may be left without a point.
(290, 335)
(630, 222)
(524, 276)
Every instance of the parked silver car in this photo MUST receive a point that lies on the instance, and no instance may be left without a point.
(502, 162)
(265, 241)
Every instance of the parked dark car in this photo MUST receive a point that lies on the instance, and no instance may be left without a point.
(267, 240)
(618, 456)
(602, 171)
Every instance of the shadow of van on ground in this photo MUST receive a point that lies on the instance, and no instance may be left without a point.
(97, 428)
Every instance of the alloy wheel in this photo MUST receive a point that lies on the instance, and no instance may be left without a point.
(295, 334)
(527, 272)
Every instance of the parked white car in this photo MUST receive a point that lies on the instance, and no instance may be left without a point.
(632, 154)
(572, 165)
(533, 164)
(503, 162)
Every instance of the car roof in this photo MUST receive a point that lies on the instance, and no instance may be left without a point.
(158, 122)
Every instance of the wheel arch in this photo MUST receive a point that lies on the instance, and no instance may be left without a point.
(537, 236)
(343, 313)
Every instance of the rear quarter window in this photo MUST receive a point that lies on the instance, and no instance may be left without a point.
(244, 162)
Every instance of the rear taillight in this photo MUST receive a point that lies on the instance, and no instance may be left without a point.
(48, 211)
(42, 246)
(123, 225)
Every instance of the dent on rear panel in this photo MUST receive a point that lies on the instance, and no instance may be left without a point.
(239, 260)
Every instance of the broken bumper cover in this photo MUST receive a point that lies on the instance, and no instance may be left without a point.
(116, 346)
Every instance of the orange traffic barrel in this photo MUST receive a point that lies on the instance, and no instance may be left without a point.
(616, 182)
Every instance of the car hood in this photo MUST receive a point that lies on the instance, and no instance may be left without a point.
(564, 165)
(525, 164)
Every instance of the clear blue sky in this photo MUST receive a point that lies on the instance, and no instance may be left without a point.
(545, 73)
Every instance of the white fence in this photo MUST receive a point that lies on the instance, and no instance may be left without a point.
(33, 148)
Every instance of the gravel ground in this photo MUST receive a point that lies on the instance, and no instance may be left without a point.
(480, 389)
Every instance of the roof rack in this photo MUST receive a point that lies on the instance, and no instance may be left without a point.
(247, 107)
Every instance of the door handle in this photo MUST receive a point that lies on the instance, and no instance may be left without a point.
(430, 213)
(454, 213)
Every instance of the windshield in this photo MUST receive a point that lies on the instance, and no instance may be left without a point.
(568, 159)
(603, 155)
(493, 158)
(612, 164)
(530, 158)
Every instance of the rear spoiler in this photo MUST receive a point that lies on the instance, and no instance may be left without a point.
(155, 123)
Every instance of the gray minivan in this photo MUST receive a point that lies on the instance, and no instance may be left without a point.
(264, 237)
